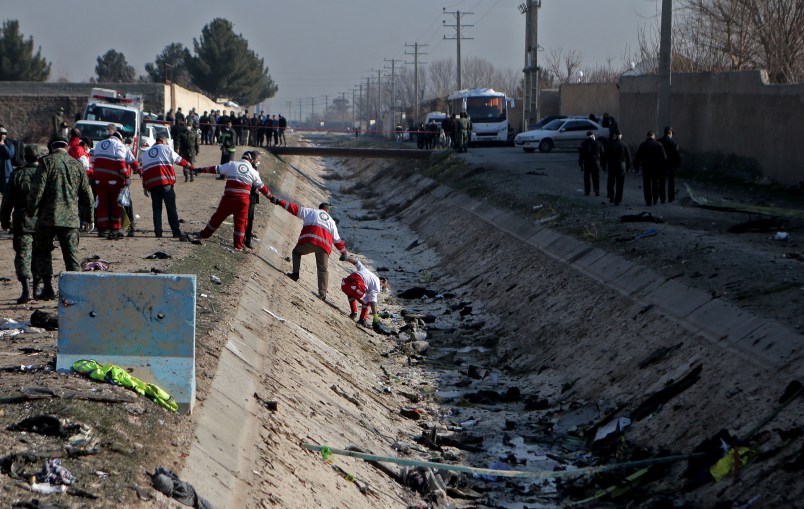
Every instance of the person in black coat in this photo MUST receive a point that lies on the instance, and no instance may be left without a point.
(618, 163)
(651, 158)
(589, 159)
(673, 162)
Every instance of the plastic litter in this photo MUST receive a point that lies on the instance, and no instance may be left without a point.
(215, 279)
(48, 489)
(781, 236)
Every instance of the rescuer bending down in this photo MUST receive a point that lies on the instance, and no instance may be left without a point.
(364, 286)
(318, 235)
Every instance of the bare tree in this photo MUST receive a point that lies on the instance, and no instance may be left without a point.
(717, 35)
(564, 67)
(477, 73)
(603, 73)
(441, 79)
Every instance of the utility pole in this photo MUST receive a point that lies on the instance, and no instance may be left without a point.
(393, 89)
(457, 26)
(530, 101)
(665, 46)
(368, 102)
(353, 106)
(300, 113)
(415, 63)
(326, 107)
(312, 109)
(379, 96)
(290, 112)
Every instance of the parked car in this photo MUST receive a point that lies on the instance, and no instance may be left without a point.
(95, 130)
(149, 132)
(559, 133)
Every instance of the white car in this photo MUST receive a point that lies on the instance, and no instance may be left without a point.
(95, 130)
(559, 133)
(149, 132)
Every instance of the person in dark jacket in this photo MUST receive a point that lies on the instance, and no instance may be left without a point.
(13, 217)
(589, 159)
(650, 157)
(673, 162)
(57, 188)
(618, 163)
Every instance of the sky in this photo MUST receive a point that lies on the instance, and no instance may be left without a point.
(324, 48)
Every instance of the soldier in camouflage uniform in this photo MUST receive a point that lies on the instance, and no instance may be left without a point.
(188, 141)
(12, 215)
(58, 186)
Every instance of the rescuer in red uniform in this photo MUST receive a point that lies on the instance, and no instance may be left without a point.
(318, 235)
(111, 172)
(241, 177)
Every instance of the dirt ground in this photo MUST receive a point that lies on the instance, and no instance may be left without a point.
(578, 344)
(576, 350)
(131, 437)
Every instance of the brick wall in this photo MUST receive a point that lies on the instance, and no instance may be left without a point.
(27, 107)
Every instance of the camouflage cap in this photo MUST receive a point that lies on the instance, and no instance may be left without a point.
(32, 152)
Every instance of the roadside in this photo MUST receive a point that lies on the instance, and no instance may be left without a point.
(126, 439)
(500, 317)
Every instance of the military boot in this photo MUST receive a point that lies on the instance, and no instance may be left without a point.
(35, 287)
(47, 289)
(25, 296)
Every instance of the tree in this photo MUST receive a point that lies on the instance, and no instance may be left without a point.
(17, 59)
(171, 65)
(112, 67)
(564, 67)
(719, 35)
(224, 66)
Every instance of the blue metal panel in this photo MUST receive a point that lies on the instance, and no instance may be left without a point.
(141, 322)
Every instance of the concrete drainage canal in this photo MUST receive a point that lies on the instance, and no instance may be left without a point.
(503, 373)
(511, 427)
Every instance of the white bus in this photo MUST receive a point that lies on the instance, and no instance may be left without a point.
(488, 111)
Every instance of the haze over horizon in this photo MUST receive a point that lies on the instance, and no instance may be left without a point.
(313, 49)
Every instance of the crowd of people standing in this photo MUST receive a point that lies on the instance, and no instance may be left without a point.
(256, 130)
(658, 161)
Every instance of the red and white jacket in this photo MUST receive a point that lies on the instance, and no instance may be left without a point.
(77, 151)
(112, 160)
(373, 286)
(157, 166)
(241, 178)
(319, 227)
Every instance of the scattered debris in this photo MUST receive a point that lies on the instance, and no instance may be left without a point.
(417, 292)
(119, 376)
(48, 425)
(651, 232)
(270, 313)
(53, 472)
(170, 484)
(740, 207)
(340, 392)
(215, 279)
(662, 396)
(411, 413)
(642, 217)
(159, 255)
(783, 236)
(45, 320)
